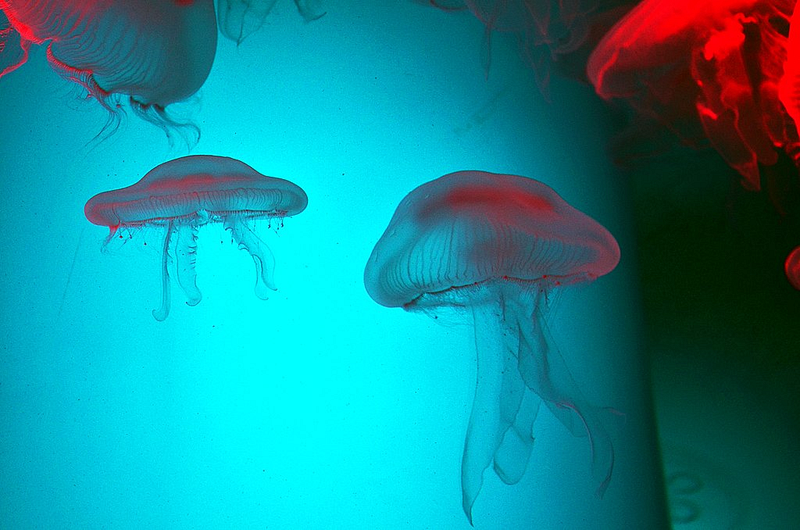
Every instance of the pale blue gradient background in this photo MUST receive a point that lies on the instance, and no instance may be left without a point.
(318, 408)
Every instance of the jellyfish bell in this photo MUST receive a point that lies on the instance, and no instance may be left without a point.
(155, 53)
(186, 193)
(715, 64)
(497, 246)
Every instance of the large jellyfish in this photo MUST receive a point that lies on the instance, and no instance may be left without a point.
(545, 29)
(497, 246)
(157, 53)
(789, 86)
(716, 62)
(238, 19)
(186, 193)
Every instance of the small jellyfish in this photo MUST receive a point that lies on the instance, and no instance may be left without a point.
(496, 246)
(156, 53)
(238, 19)
(792, 268)
(715, 65)
(186, 193)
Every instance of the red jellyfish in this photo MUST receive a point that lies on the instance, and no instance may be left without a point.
(789, 86)
(496, 246)
(155, 52)
(186, 193)
(792, 268)
(716, 62)
(238, 19)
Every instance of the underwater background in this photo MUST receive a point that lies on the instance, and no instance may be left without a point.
(321, 409)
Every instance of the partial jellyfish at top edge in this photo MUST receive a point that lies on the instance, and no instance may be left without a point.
(186, 193)
(156, 53)
(238, 19)
(545, 29)
(710, 69)
(496, 246)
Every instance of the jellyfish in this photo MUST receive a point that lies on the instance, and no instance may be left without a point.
(496, 247)
(156, 53)
(789, 84)
(792, 267)
(238, 19)
(545, 29)
(714, 65)
(186, 193)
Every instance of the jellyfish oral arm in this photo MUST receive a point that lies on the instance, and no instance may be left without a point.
(518, 405)
(503, 411)
(262, 255)
(545, 373)
(484, 430)
(186, 260)
(512, 457)
(180, 241)
(162, 312)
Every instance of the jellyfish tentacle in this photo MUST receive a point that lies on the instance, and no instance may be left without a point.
(262, 255)
(186, 260)
(162, 312)
(486, 421)
(545, 372)
(518, 408)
